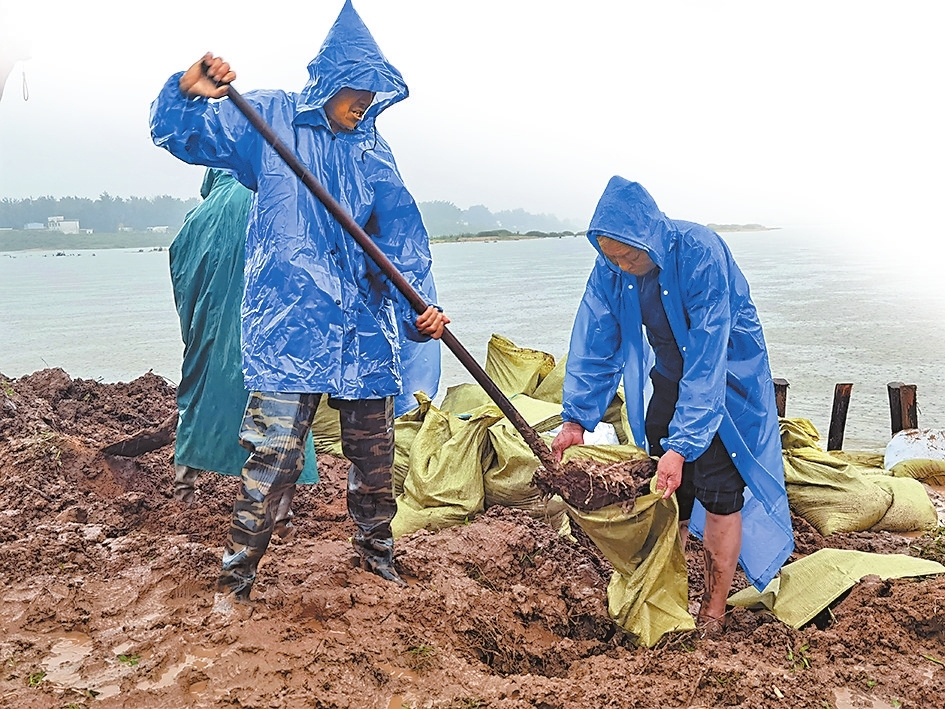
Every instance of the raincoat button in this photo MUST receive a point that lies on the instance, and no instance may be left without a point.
(630, 286)
(683, 349)
(734, 455)
(337, 302)
(665, 292)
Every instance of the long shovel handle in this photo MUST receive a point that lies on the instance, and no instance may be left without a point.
(531, 437)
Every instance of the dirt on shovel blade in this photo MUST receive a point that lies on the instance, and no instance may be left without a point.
(588, 485)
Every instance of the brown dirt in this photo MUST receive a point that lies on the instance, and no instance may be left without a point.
(108, 589)
(588, 485)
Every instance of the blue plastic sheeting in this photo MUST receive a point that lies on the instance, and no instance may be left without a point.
(206, 262)
(317, 314)
(726, 385)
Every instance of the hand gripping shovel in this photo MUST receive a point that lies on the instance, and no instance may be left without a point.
(531, 437)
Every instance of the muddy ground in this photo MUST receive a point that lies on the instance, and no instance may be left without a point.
(108, 598)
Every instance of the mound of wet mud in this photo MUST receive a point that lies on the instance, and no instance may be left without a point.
(108, 598)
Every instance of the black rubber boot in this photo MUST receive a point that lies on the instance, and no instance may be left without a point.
(185, 482)
(377, 556)
(235, 578)
(283, 527)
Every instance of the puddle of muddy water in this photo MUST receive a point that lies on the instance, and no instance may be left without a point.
(196, 657)
(67, 654)
(848, 699)
(399, 672)
(63, 666)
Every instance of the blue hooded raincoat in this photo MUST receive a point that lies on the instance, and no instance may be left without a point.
(317, 314)
(726, 385)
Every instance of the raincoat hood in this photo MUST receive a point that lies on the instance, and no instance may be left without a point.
(210, 179)
(350, 57)
(627, 213)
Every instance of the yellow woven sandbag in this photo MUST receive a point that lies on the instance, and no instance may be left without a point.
(444, 485)
(931, 472)
(516, 370)
(551, 387)
(832, 494)
(911, 509)
(463, 398)
(648, 593)
(406, 428)
(509, 480)
(807, 586)
(862, 459)
(798, 433)
(326, 429)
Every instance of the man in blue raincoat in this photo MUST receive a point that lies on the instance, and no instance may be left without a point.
(711, 419)
(319, 319)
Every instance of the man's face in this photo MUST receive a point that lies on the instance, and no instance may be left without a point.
(626, 258)
(346, 108)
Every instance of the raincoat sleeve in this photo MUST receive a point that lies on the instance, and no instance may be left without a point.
(701, 402)
(399, 232)
(596, 355)
(203, 132)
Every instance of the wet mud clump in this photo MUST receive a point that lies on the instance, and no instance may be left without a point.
(589, 485)
(108, 597)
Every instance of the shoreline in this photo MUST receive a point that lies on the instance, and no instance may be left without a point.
(112, 241)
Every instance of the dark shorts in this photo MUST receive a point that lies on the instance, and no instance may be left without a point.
(711, 478)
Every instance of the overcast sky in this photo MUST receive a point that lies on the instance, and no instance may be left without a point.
(779, 113)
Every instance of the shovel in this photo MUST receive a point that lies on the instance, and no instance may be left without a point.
(531, 437)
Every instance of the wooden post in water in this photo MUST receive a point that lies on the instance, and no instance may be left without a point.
(902, 408)
(780, 395)
(838, 416)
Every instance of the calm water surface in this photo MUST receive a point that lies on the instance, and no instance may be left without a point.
(830, 315)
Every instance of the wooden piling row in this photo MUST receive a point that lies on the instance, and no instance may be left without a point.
(903, 413)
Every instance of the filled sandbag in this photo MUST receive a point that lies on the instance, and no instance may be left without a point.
(406, 428)
(928, 471)
(830, 493)
(516, 370)
(508, 481)
(911, 509)
(915, 444)
(444, 481)
(648, 592)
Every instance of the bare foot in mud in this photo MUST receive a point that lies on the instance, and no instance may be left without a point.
(710, 627)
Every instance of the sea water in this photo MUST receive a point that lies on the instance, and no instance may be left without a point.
(830, 315)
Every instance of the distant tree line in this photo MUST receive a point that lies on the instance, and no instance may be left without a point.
(112, 214)
(446, 219)
(105, 214)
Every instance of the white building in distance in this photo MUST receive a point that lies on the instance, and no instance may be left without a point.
(66, 226)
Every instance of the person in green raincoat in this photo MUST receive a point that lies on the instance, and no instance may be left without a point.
(206, 265)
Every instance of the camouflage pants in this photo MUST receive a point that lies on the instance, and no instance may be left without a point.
(274, 429)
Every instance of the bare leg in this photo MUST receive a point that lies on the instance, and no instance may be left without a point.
(722, 542)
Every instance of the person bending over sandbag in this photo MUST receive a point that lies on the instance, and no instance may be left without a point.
(319, 318)
(711, 419)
